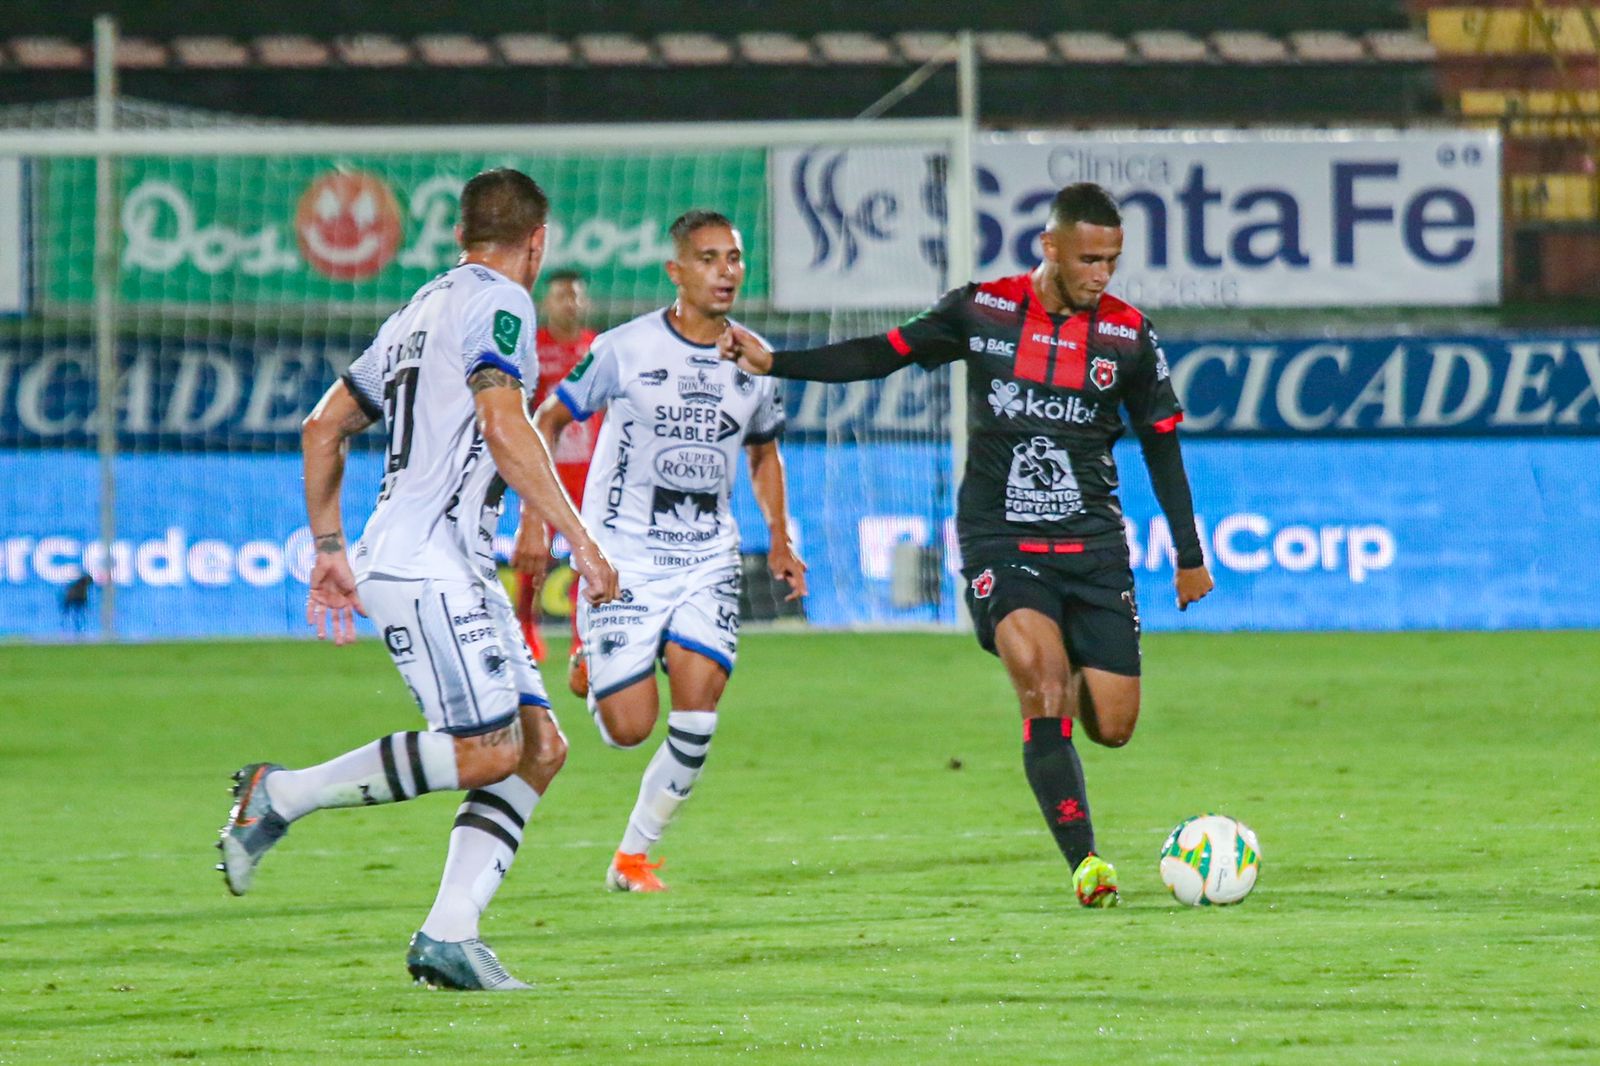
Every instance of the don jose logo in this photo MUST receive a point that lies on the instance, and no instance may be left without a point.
(844, 214)
(348, 225)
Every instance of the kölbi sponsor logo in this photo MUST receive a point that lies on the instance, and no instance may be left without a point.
(1007, 398)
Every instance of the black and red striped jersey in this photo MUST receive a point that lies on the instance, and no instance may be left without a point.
(1044, 400)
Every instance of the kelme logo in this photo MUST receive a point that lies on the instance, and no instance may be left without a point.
(507, 327)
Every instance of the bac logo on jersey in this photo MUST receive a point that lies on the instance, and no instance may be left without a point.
(1103, 372)
(992, 346)
(507, 327)
(983, 584)
(1114, 329)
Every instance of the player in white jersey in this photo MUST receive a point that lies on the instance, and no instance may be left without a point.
(447, 374)
(657, 499)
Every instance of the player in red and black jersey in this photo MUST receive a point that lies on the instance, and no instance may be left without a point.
(563, 339)
(1052, 359)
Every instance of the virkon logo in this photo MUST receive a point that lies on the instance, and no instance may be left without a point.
(348, 225)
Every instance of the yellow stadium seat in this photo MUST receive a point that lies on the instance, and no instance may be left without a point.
(1472, 31)
(1555, 197)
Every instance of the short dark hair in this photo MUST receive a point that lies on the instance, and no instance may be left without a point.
(689, 221)
(501, 206)
(565, 274)
(1084, 202)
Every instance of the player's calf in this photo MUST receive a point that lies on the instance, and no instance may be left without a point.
(1107, 706)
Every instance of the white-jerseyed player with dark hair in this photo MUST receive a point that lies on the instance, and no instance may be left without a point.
(448, 374)
(657, 499)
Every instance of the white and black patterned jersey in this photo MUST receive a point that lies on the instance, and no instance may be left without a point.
(440, 502)
(663, 468)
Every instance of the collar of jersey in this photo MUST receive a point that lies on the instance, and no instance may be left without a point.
(666, 320)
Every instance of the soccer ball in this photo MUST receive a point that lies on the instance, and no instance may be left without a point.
(1210, 860)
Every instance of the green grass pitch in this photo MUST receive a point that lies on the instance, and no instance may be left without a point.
(862, 876)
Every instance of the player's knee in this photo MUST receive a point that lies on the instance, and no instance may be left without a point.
(552, 755)
(1116, 726)
(626, 734)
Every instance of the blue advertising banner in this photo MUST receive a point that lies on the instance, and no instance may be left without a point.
(214, 396)
(1314, 534)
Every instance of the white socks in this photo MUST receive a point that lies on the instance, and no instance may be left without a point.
(669, 777)
(398, 767)
(483, 844)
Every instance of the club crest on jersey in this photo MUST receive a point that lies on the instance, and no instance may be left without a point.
(494, 660)
(983, 585)
(1103, 372)
(699, 388)
(611, 643)
(1005, 397)
(743, 382)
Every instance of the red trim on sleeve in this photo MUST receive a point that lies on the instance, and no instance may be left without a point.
(1167, 425)
(897, 341)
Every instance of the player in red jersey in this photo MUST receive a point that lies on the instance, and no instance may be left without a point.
(1052, 361)
(563, 340)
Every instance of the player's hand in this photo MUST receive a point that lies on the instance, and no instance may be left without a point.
(332, 603)
(600, 580)
(742, 347)
(530, 552)
(786, 565)
(1193, 585)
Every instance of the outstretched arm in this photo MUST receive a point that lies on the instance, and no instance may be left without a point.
(860, 359)
(772, 496)
(1164, 459)
(524, 462)
(332, 603)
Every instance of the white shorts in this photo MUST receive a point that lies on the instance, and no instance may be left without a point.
(459, 648)
(696, 609)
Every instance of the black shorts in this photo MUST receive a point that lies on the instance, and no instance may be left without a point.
(1089, 595)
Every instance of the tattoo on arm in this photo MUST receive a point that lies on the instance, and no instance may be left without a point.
(329, 543)
(491, 378)
(354, 423)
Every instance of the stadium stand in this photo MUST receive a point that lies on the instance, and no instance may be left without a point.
(1142, 61)
(1530, 69)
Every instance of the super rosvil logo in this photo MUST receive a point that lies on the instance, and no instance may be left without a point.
(348, 225)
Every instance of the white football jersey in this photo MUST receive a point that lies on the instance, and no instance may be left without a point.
(440, 502)
(663, 468)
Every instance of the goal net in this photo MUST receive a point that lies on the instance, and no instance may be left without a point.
(231, 274)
